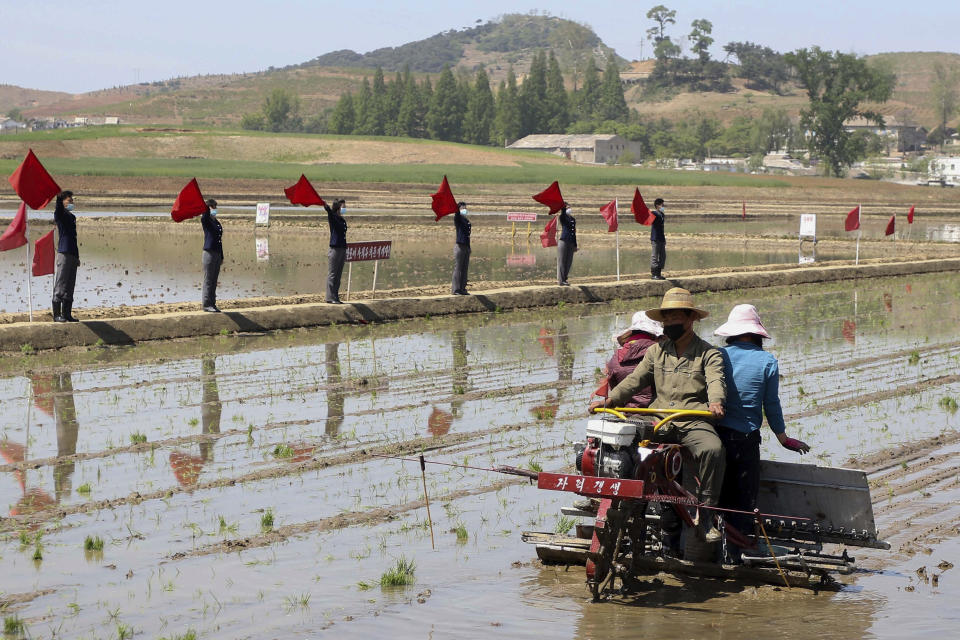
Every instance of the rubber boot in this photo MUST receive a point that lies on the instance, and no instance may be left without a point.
(67, 308)
(57, 313)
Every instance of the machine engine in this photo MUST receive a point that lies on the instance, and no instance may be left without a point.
(609, 450)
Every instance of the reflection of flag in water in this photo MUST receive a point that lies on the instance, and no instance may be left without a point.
(43, 393)
(14, 453)
(909, 288)
(301, 452)
(186, 468)
(32, 501)
(888, 302)
(548, 410)
(546, 341)
(849, 331)
(439, 422)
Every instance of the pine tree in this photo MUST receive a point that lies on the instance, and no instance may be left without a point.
(374, 117)
(509, 121)
(478, 121)
(533, 97)
(408, 116)
(587, 99)
(362, 104)
(557, 104)
(392, 112)
(343, 118)
(426, 99)
(445, 117)
(612, 105)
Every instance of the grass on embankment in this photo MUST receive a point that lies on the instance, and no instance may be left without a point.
(390, 173)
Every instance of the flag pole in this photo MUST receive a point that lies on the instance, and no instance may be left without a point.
(616, 213)
(29, 286)
(859, 231)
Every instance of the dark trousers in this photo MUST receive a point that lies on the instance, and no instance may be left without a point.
(564, 260)
(66, 278)
(211, 273)
(336, 257)
(741, 482)
(461, 261)
(658, 257)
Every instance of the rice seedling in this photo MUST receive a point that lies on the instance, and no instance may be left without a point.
(189, 635)
(400, 574)
(124, 631)
(226, 527)
(461, 531)
(137, 438)
(948, 403)
(93, 543)
(84, 489)
(283, 451)
(266, 520)
(14, 627)
(564, 524)
(914, 358)
(299, 601)
(533, 465)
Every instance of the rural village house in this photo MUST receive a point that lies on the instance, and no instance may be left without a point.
(586, 148)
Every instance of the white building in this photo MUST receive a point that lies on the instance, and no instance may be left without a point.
(947, 169)
(599, 148)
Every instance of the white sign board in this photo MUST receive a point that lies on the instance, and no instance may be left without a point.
(807, 259)
(263, 213)
(263, 249)
(808, 225)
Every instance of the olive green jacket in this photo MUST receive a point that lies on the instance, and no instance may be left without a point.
(690, 381)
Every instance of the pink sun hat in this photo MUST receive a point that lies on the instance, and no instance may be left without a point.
(743, 319)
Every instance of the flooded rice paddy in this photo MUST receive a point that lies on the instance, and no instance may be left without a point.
(234, 483)
(157, 262)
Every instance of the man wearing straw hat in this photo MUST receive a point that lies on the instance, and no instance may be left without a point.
(687, 373)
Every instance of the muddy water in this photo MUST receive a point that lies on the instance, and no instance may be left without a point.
(287, 422)
(160, 262)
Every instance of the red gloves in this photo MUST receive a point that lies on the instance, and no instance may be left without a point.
(799, 446)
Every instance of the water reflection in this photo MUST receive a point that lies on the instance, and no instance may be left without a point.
(335, 392)
(187, 466)
(65, 414)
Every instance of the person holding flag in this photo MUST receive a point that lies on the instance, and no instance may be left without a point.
(567, 245)
(212, 255)
(337, 254)
(658, 241)
(461, 251)
(68, 258)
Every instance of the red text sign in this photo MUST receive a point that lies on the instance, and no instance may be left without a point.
(360, 251)
(591, 485)
(521, 217)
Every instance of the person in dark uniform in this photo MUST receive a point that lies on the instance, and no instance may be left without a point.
(658, 242)
(68, 258)
(212, 255)
(567, 245)
(337, 254)
(461, 251)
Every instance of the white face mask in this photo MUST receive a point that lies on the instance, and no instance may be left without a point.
(343, 210)
(69, 206)
(569, 211)
(213, 212)
(463, 211)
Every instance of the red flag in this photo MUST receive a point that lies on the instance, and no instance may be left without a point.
(891, 226)
(190, 203)
(603, 391)
(910, 215)
(640, 210)
(551, 197)
(853, 219)
(303, 193)
(609, 213)
(549, 236)
(443, 201)
(43, 253)
(16, 234)
(744, 217)
(32, 182)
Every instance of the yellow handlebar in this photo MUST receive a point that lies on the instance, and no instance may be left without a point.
(673, 413)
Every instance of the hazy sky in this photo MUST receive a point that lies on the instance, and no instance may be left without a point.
(83, 45)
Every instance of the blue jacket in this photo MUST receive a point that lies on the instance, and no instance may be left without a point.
(463, 228)
(67, 232)
(338, 228)
(753, 388)
(656, 229)
(212, 234)
(568, 224)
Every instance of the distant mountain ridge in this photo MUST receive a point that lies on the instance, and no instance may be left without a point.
(496, 40)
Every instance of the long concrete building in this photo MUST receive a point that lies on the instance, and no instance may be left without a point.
(601, 148)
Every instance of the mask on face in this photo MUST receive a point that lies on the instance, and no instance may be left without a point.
(674, 331)
(343, 210)
(463, 211)
(213, 212)
(569, 212)
(69, 206)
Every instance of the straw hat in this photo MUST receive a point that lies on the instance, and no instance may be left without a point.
(743, 319)
(641, 322)
(676, 298)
